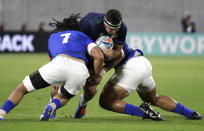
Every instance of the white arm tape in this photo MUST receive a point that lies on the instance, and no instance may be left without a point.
(90, 47)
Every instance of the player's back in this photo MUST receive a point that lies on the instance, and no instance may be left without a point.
(72, 43)
(93, 15)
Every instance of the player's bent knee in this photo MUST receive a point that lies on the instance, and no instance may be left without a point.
(34, 82)
(103, 102)
(65, 93)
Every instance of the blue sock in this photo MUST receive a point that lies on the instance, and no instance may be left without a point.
(57, 103)
(133, 110)
(182, 110)
(8, 105)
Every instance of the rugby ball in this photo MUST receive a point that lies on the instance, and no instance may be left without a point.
(105, 42)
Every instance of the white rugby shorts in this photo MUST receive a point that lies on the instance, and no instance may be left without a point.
(62, 70)
(135, 74)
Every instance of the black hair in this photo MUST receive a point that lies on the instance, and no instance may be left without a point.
(114, 16)
(70, 23)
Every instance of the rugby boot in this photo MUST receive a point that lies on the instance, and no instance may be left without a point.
(150, 113)
(80, 111)
(195, 116)
(46, 113)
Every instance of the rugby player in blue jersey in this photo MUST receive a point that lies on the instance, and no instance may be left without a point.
(69, 49)
(96, 25)
(134, 73)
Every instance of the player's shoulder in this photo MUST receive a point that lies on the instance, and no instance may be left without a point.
(72, 32)
(79, 34)
(91, 21)
(94, 14)
(123, 26)
(75, 32)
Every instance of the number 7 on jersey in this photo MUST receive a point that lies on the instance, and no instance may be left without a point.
(66, 37)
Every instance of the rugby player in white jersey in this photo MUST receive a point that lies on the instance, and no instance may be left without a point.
(96, 25)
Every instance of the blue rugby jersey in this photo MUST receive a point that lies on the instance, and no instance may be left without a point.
(92, 25)
(129, 53)
(70, 42)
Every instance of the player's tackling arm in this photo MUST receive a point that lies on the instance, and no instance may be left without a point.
(98, 59)
(111, 64)
(114, 53)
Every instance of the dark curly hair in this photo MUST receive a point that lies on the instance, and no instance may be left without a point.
(70, 23)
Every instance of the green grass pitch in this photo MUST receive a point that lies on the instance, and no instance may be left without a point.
(182, 78)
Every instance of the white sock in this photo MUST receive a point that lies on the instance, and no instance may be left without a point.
(2, 114)
(83, 101)
(53, 105)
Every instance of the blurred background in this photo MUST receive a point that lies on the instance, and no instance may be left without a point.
(139, 15)
(165, 17)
